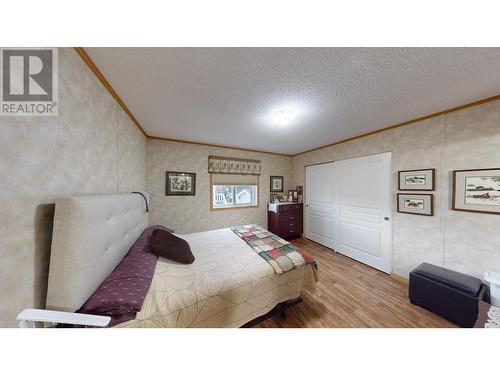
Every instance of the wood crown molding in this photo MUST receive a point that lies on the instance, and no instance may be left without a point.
(216, 145)
(93, 67)
(436, 114)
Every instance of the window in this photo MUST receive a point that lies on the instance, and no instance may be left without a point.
(225, 196)
(234, 191)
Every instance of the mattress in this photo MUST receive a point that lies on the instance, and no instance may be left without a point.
(228, 285)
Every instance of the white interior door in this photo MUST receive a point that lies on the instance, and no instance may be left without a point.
(348, 208)
(320, 215)
(364, 200)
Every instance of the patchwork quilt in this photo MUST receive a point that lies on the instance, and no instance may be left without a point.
(282, 255)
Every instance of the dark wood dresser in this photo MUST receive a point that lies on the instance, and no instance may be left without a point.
(287, 222)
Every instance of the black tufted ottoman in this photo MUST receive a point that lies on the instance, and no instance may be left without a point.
(453, 295)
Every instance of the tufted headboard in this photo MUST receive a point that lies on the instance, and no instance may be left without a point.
(91, 236)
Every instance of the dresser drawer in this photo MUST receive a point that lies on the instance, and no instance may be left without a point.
(286, 208)
(291, 231)
(291, 218)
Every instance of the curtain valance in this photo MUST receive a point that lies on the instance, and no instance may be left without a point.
(228, 165)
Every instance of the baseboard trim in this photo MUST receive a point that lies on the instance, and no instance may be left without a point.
(399, 278)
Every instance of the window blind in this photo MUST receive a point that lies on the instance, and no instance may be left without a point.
(235, 179)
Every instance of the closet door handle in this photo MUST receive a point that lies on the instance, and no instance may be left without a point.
(386, 218)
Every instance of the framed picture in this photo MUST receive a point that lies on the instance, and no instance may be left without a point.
(276, 184)
(417, 179)
(282, 198)
(300, 192)
(477, 190)
(294, 194)
(180, 183)
(273, 198)
(416, 204)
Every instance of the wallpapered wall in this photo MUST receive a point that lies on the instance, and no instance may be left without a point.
(192, 213)
(92, 147)
(466, 139)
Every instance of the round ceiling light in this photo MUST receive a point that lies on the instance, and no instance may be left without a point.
(283, 116)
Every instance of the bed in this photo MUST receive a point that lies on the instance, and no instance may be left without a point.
(228, 285)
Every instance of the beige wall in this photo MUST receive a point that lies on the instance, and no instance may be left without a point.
(192, 213)
(466, 139)
(91, 147)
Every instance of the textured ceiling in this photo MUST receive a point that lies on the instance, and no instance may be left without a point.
(224, 96)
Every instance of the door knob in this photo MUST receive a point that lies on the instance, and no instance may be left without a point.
(386, 218)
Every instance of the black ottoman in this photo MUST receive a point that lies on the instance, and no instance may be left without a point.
(453, 295)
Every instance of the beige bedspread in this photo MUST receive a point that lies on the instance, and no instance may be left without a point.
(228, 285)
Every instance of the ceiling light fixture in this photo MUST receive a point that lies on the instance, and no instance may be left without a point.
(283, 116)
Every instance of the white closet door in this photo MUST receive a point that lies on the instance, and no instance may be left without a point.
(320, 212)
(364, 200)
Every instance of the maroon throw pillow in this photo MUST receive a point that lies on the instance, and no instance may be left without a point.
(167, 245)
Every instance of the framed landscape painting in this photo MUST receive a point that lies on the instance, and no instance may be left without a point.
(417, 179)
(180, 183)
(477, 190)
(416, 204)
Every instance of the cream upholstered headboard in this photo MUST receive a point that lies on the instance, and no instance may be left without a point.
(91, 236)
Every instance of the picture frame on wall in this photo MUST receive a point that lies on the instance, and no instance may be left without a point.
(276, 184)
(416, 204)
(417, 179)
(180, 183)
(477, 190)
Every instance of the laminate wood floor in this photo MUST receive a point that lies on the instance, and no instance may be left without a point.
(352, 294)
